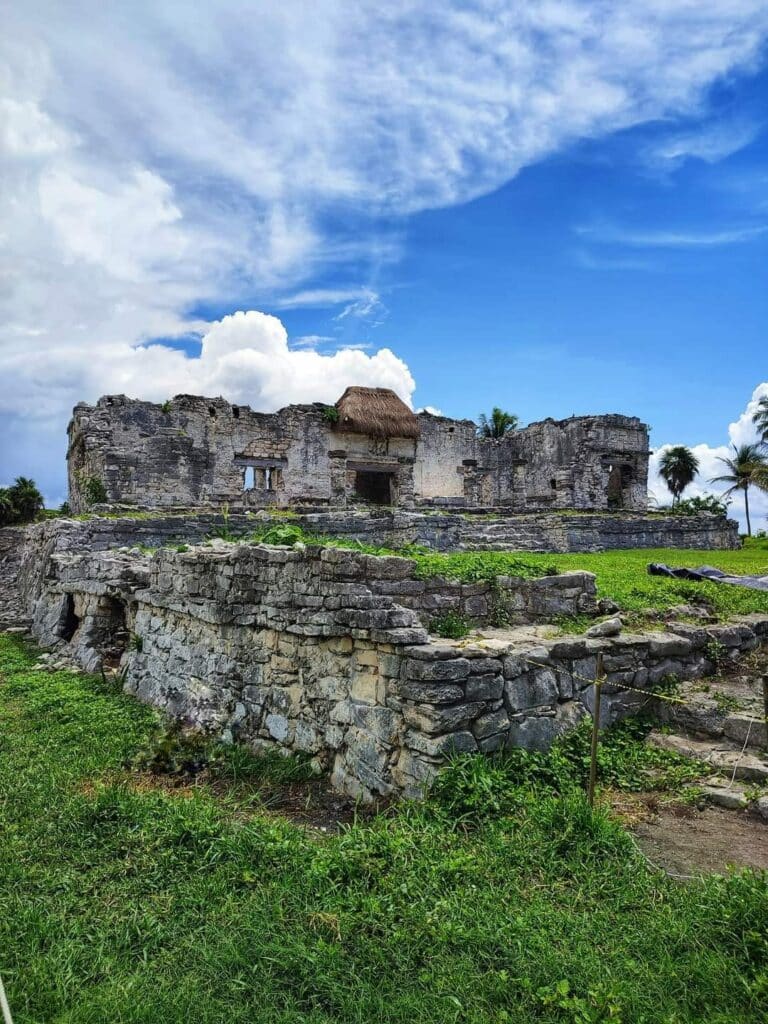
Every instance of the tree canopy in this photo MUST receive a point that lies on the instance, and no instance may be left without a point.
(678, 468)
(498, 424)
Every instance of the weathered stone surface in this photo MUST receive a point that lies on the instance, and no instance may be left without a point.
(609, 627)
(537, 687)
(231, 639)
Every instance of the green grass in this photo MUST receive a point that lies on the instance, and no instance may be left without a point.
(621, 575)
(496, 901)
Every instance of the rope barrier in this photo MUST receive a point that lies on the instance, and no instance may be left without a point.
(656, 695)
(601, 679)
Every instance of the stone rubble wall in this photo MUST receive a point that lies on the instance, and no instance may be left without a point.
(554, 532)
(192, 450)
(296, 649)
(508, 600)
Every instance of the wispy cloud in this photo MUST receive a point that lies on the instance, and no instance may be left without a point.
(710, 142)
(367, 306)
(586, 259)
(322, 297)
(666, 239)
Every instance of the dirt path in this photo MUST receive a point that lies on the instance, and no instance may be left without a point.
(686, 841)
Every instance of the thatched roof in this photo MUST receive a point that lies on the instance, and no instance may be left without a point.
(377, 412)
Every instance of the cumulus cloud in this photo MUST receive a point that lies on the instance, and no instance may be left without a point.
(741, 431)
(173, 157)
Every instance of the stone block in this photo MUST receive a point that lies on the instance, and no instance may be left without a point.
(485, 687)
(278, 727)
(489, 724)
(430, 692)
(367, 688)
(455, 670)
(435, 719)
(441, 746)
(536, 688)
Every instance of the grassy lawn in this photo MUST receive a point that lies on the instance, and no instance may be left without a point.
(623, 575)
(496, 901)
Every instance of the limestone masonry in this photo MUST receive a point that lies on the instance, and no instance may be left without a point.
(369, 447)
(326, 651)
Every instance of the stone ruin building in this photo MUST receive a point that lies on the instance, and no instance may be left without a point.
(367, 448)
(329, 651)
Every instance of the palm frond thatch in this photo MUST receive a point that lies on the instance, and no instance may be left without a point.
(376, 412)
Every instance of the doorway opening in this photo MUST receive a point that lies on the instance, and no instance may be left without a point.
(373, 487)
(69, 621)
(113, 631)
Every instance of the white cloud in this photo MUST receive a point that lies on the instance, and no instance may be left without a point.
(741, 431)
(178, 156)
(665, 239)
(710, 143)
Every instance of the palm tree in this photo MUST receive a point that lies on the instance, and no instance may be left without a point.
(499, 425)
(747, 466)
(678, 468)
(760, 419)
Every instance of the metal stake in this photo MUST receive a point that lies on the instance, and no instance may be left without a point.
(595, 730)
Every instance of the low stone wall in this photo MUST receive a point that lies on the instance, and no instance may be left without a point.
(548, 532)
(508, 600)
(298, 649)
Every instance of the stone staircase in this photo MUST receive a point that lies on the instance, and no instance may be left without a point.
(511, 533)
(722, 725)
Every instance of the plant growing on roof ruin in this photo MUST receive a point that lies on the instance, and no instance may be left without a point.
(94, 491)
(498, 424)
(330, 414)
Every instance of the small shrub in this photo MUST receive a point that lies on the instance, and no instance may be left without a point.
(94, 491)
(450, 625)
(284, 535)
(166, 406)
(330, 414)
(701, 503)
(715, 651)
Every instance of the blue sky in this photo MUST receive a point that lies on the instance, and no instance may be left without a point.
(561, 208)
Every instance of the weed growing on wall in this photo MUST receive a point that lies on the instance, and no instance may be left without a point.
(449, 624)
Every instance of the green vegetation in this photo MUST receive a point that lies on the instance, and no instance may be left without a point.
(449, 624)
(498, 424)
(94, 491)
(698, 504)
(20, 503)
(621, 575)
(760, 419)
(499, 901)
(747, 467)
(678, 467)
(330, 414)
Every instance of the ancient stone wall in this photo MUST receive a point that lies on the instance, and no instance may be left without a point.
(299, 650)
(200, 452)
(499, 531)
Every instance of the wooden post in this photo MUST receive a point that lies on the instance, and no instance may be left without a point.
(595, 730)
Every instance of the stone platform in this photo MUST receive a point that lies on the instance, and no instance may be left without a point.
(325, 650)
